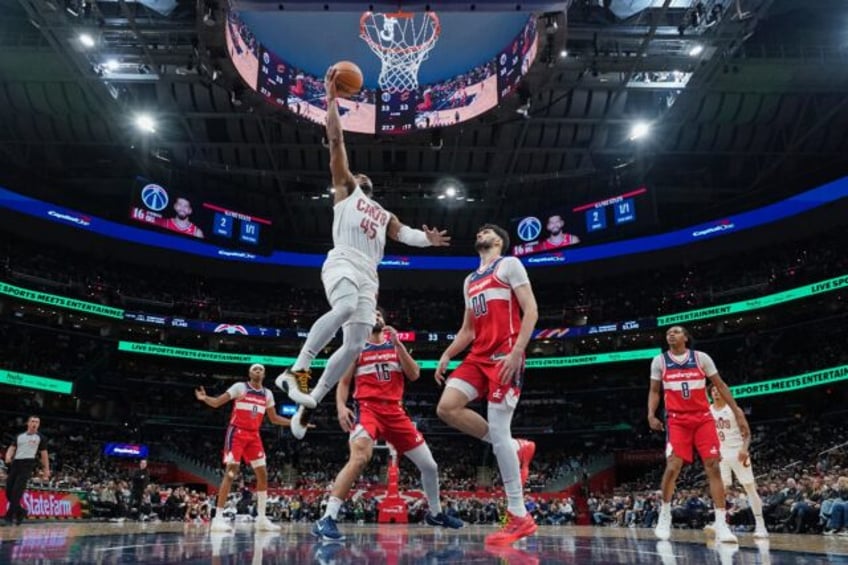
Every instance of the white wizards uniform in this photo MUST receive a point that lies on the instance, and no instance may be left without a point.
(359, 239)
(731, 443)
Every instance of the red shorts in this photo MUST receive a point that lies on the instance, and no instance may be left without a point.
(482, 374)
(686, 430)
(242, 444)
(387, 421)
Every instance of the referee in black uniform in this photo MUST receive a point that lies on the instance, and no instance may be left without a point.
(20, 459)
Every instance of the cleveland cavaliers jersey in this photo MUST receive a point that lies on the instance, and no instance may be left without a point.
(727, 428)
(359, 224)
(249, 405)
(494, 307)
(378, 375)
(684, 383)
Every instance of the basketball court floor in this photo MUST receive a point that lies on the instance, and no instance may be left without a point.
(395, 544)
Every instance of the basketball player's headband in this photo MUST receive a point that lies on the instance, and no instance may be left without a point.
(255, 365)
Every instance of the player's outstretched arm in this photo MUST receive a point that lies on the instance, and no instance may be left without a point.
(343, 181)
(428, 237)
(463, 339)
(408, 365)
(725, 393)
(215, 402)
(347, 419)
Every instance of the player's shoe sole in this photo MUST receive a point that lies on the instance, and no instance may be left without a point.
(295, 384)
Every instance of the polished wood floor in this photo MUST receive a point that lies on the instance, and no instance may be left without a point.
(102, 543)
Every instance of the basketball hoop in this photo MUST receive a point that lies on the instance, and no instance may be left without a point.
(402, 40)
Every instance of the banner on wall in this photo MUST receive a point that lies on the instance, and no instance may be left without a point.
(63, 504)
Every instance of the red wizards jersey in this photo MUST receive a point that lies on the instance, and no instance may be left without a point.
(378, 375)
(494, 307)
(190, 230)
(684, 384)
(249, 405)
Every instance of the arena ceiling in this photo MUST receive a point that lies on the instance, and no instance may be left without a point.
(758, 110)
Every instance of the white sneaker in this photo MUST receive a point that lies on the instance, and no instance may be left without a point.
(663, 529)
(288, 383)
(298, 426)
(760, 532)
(709, 530)
(221, 525)
(264, 524)
(723, 533)
(666, 553)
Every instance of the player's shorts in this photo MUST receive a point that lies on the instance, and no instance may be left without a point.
(348, 264)
(382, 419)
(478, 377)
(688, 430)
(244, 445)
(742, 469)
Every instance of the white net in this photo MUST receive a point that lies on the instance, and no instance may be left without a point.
(402, 41)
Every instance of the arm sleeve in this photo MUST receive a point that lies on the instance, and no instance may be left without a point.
(706, 363)
(657, 368)
(269, 399)
(237, 390)
(512, 272)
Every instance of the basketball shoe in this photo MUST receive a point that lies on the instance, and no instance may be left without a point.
(221, 524)
(442, 519)
(300, 421)
(663, 529)
(326, 529)
(264, 524)
(526, 451)
(515, 529)
(296, 385)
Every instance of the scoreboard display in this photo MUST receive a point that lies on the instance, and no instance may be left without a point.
(396, 111)
(275, 78)
(187, 214)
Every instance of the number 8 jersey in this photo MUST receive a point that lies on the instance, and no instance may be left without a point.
(494, 308)
(378, 374)
(684, 380)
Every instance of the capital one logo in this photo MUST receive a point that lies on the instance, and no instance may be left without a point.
(529, 228)
(154, 197)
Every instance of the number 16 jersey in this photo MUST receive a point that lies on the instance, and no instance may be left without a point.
(378, 374)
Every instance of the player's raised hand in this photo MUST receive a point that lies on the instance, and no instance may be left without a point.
(439, 375)
(330, 83)
(393, 335)
(347, 420)
(655, 423)
(510, 365)
(200, 393)
(436, 237)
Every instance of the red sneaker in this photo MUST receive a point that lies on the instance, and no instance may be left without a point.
(515, 529)
(526, 451)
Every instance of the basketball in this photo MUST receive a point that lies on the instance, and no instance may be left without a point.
(348, 78)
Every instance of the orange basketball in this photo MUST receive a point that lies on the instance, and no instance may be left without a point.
(348, 78)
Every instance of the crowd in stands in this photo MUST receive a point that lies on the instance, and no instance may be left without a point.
(633, 296)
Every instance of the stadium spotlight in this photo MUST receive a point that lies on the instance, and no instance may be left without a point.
(86, 40)
(450, 191)
(696, 50)
(639, 130)
(563, 54)
(145, 123)
(111, 65)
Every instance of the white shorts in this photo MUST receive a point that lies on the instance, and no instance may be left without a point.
(343, 264)
(730, 462)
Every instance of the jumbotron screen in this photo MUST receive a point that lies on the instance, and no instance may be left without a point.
(189, 215)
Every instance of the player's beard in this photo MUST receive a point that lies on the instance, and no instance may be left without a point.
(378, 327)
(483, 245)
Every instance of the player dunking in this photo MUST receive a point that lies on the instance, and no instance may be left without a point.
(500, 314)
(379, 373)
(349, 274)
(252, 402)
(735, 458)
(682, 373)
